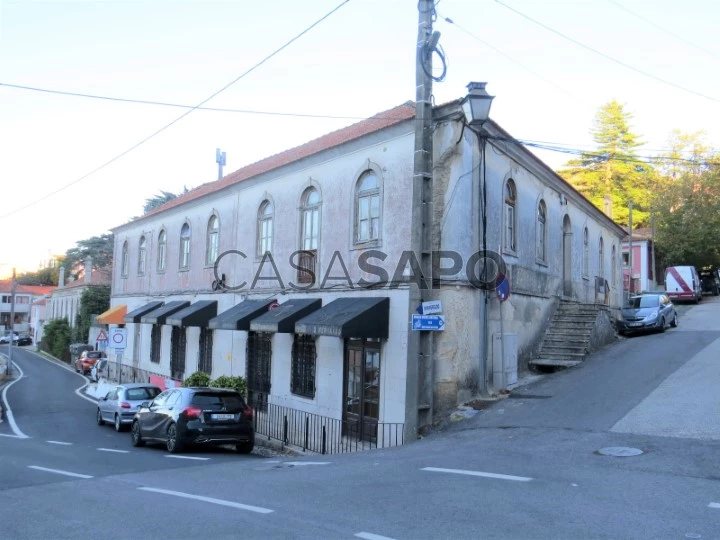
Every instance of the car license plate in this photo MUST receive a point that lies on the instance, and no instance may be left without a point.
(634, 324)
(222, 416)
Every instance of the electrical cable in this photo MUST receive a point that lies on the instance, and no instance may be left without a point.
(426, 53)
(157, 132)
(608, 57)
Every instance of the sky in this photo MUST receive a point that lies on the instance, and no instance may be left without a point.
(659, 58)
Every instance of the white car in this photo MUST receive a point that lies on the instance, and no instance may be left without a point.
(6, 338)
(99, 370)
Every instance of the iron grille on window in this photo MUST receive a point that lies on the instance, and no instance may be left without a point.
(259, 356)
(303, 366)
(155, 334)
(206, 346)
(306, 266)
(178, 344)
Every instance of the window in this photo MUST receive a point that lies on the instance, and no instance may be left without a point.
(142, 254)
(265, 228)
(259, 359)
(541, 231)
(206, 346)
(601, 262)
(302, 381)
(125, 265)
(510, 229)
(368, 208)
(185, 247)
(310, 233)
(162, 251)
(213, 232)
(613, 257)
(586, 252)
(178, 345)
(155, 335)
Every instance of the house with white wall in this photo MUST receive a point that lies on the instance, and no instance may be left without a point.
(64, 302)
(296, 271)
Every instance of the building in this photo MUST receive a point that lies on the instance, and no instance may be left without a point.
(296, 271)
(644, 274)
(64, 302)
(25, 295)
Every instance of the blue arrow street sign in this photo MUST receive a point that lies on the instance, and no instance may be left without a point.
(428, 322)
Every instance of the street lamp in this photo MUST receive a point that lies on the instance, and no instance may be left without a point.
(476, 105)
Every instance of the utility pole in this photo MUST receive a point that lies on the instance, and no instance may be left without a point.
(652, 237)
(221, 161)
(630, 252)
(419, 391)
(13, 288)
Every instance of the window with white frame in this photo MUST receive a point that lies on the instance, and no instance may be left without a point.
(586, 252)
(309, 234)
(185, 247)
(142, 256)
(510, 216)
(367, 226)
(541, 231)
(162, 251)
(601, 255)
(125, 260)
(265, 228)
(213, 240)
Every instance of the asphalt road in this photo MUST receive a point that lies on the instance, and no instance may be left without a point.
(526, 468)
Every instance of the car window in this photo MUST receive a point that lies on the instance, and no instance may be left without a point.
(161, 398)
(141, 394)
(173, 399)
(217, 401)
(112, 395)
(643, 302)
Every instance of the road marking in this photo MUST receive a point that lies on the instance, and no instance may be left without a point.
(58, 364)
(220, 502)
(57, 471)
(189, 457)
(480, 473)
(301, 463)
(60, 442)
(11, 419)
(714, 505)
(371, 536)
(113, 450)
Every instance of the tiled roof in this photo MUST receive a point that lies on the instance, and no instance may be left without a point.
(40, 302)
(382, 120)
(35, 290)
(101, 276)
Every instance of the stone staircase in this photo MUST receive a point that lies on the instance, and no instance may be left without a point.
(567, 339)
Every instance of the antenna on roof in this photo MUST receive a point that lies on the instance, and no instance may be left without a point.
(220, 160)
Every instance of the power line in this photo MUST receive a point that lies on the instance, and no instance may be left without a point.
(608, 57)
(631, 12)
(176, 105)
(214, 94)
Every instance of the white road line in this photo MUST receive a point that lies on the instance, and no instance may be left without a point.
(189, 457)
(11, 436)
(371, 536)
(479, 473)
(78, 392)
(57, 471)
(714, 505)
(60, 442)
(11, 419)
(113, 450)
(211, 500)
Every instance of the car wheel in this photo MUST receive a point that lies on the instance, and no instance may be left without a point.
(174, 446)
(674, 322)
(118, 423)
(136, 437)
(662, 325)
(244, 447)
(100, 420)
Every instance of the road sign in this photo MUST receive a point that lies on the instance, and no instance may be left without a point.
(118, 338)
(433, 307)
(102, 336)
(428, 322)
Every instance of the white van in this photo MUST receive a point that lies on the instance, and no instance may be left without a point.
(683, 283)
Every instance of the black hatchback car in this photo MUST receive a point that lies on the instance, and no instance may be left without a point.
(179, 417)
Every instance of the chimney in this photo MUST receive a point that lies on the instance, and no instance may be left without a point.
(88, 270)
(607, 204)
(61, 277)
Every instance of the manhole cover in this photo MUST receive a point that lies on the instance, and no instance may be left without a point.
(620, 451)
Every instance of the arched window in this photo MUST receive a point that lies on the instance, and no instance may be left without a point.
(310, 219)
(142, 256)
(213, 241)
(586, 252)
(613, 261)
(510, 217)
(125, 260)
(185, 247)
(265, 228)
(367, 213)
(541, 231)
(162, 251)
(601, 261)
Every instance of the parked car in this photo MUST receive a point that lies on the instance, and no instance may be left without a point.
(179, 417)
(99, 369)
(24, 339)
(122, 402)
(683, 283)
(87, 360)
(6, 338)
(647, 312)
(710, 281)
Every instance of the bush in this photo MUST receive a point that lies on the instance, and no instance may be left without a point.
(233, 383)
(199, 378)
(57, 338)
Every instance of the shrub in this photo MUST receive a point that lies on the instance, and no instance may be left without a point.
(234, 383)
(57, 338)
(199, 378)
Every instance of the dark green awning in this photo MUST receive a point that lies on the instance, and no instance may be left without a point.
(282, 319)
(197, 314)
(135, 315)
(239, 316)
(160, 315)
(349, 317)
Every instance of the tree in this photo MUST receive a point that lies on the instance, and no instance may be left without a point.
(44, 276)
(56, 338)
(93, 301)
(614, 169)
(156, 201)
(99, 248)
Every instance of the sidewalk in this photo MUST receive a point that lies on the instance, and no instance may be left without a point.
(97, 390)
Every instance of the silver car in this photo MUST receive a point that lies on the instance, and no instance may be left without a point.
(122, 402)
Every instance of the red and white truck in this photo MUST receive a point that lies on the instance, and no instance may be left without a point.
(683, 283)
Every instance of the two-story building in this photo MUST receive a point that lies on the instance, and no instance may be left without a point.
(25, 295)
(296, 271)
(64, 302)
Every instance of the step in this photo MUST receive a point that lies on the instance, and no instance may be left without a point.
(564, 355)
(550, 362)
(565, 343)
(575, 335)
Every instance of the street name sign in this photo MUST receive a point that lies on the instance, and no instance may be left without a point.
(428, 322)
